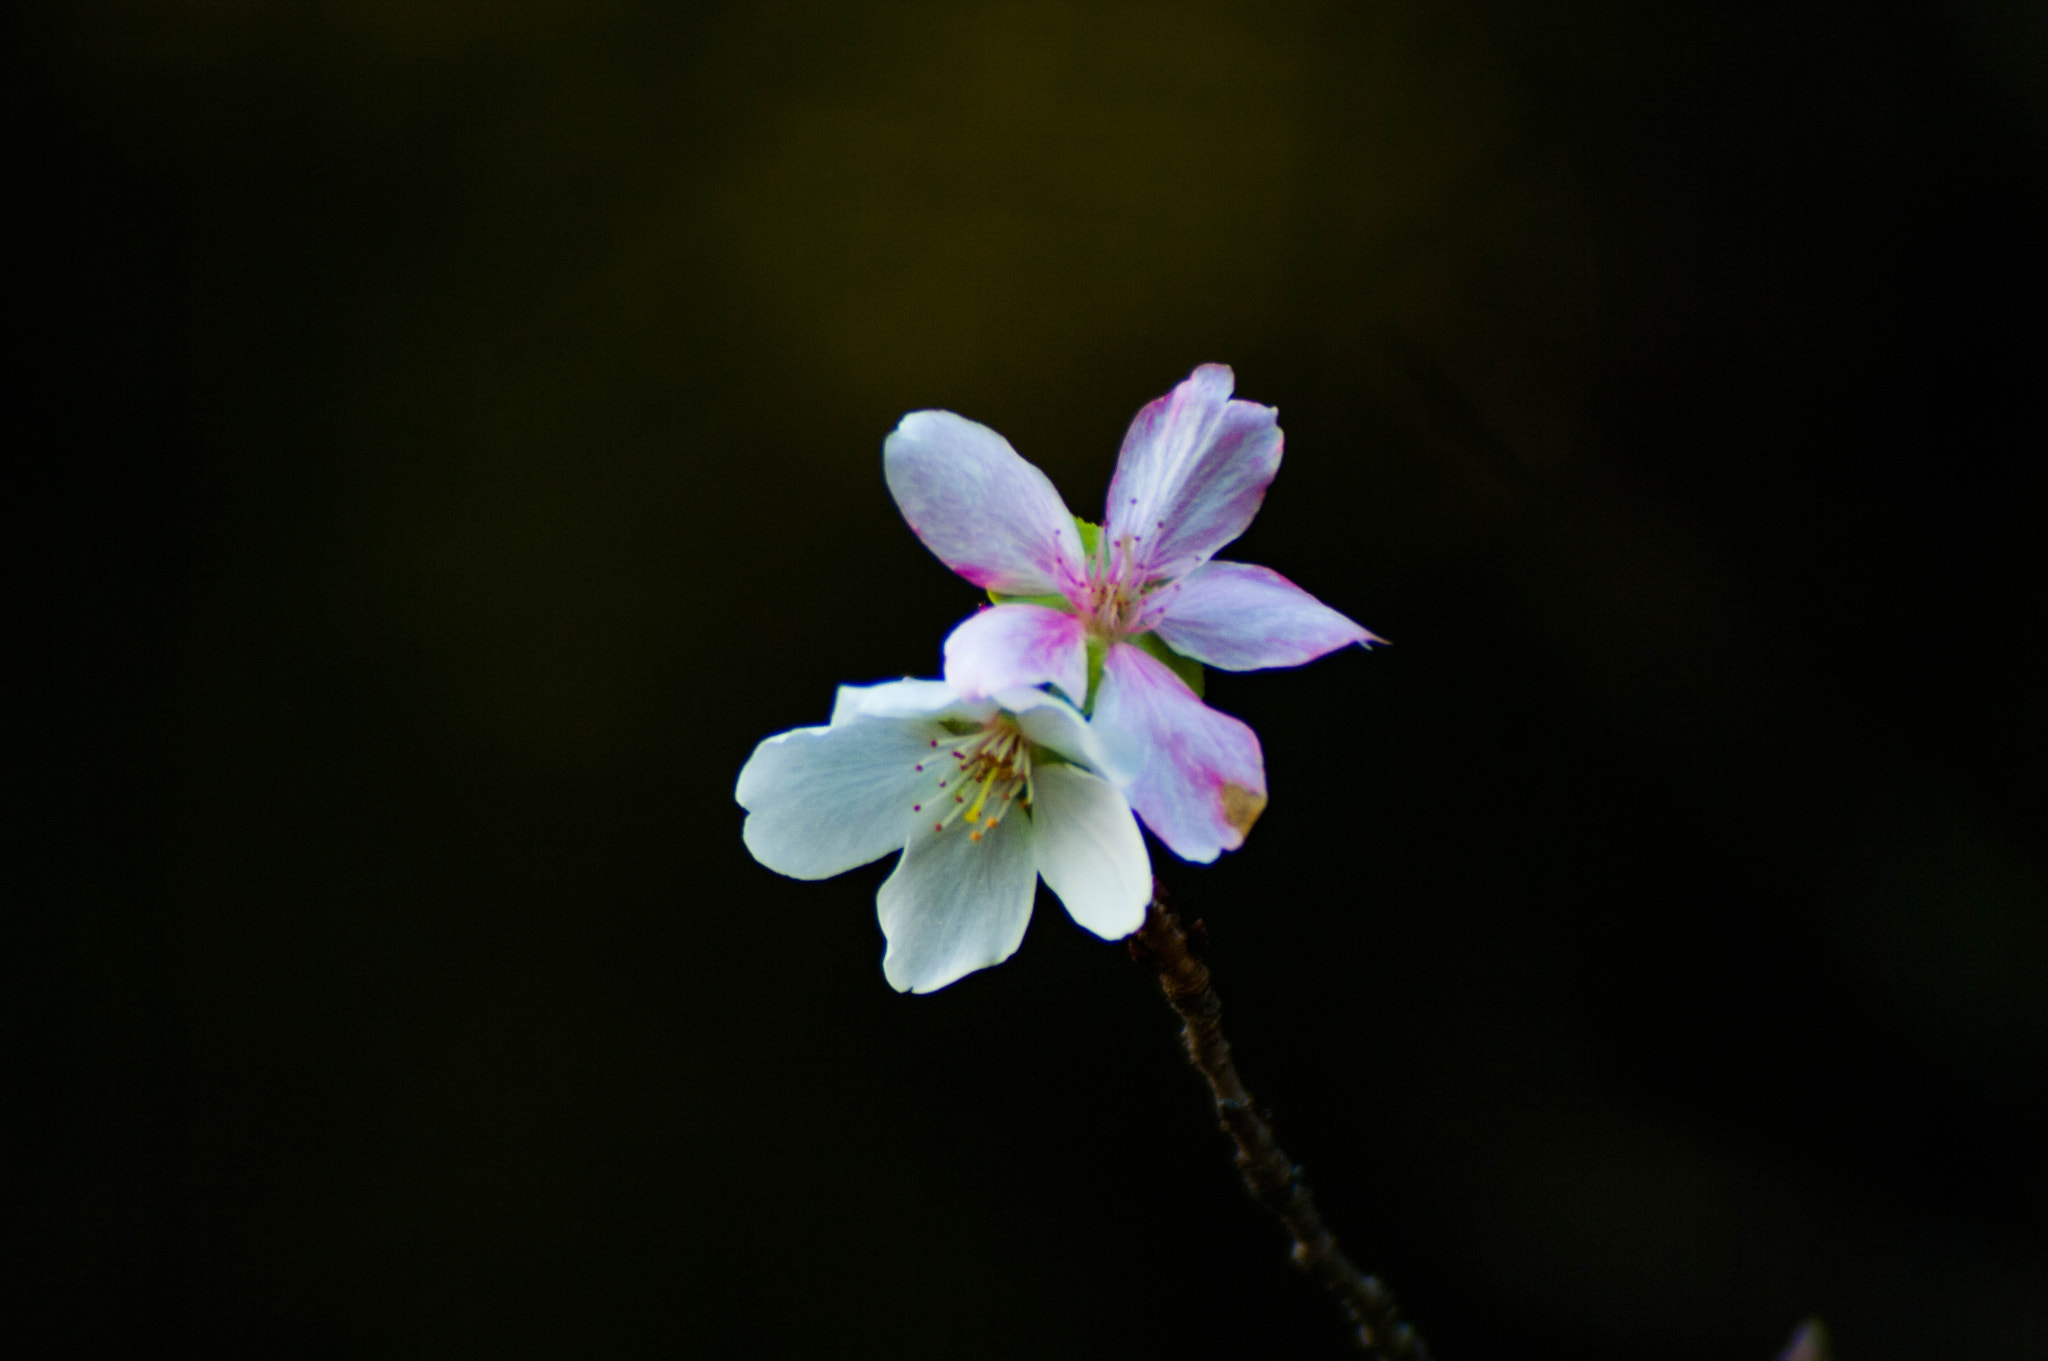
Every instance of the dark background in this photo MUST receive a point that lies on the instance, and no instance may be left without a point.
(449, 439)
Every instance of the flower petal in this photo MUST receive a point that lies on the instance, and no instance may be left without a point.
(1241, 618)
(906, 698)
(820, 801)
(1010, 646)
(1196, 776)
(954, 905)
(1051, 722)
(1090, 850)
(988, 514)
(1195, 466)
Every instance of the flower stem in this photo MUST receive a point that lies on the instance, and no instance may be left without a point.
(1275, 1182)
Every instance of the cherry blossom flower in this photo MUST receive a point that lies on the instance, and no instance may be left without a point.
(983, 796)
(1112, 616)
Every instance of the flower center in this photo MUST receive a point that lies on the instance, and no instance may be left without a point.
(1114, 596)
(977, 777)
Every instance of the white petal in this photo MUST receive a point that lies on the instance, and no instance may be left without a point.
(820, 801)
(1051, 722)
(954, 905)
(1090, 850)
(906, 698)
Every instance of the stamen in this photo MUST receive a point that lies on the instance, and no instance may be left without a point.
(996, 763)
(975, 812)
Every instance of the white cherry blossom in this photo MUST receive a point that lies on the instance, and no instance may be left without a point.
(982, 796)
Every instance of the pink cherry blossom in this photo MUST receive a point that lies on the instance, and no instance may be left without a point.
(1193, 471)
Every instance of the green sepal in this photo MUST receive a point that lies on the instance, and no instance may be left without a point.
(1056, 602)
(1187, 668)
(1090, 535)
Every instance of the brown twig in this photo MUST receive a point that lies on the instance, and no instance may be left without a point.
(1273, 1179)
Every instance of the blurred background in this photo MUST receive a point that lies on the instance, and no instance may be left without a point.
(450, 440)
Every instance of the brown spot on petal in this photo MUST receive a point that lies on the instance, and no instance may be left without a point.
(1241, 806)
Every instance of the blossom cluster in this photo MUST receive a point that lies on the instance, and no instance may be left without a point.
(1071, 707)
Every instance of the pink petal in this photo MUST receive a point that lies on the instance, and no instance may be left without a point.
(1242, 618)
(1011, 646)
(1194, 775)
(1195, 466)
(985, 512)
